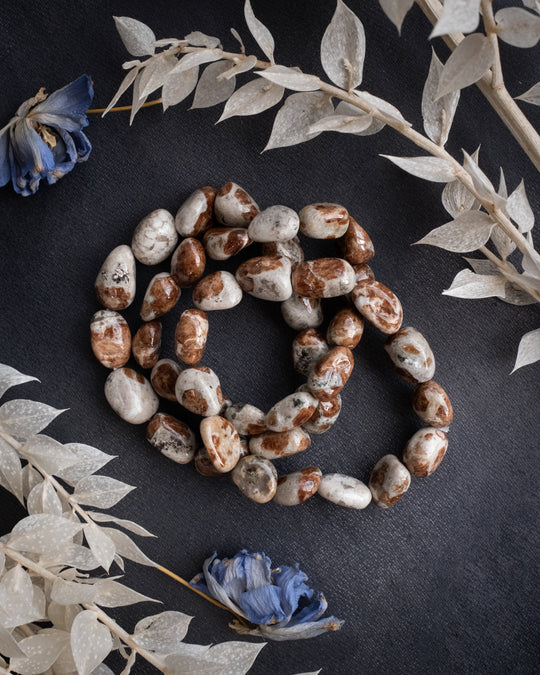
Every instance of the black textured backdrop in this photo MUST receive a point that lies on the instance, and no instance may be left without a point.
(443, 582)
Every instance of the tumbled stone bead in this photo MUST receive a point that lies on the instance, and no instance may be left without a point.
(290, 249)
(301, 313)
(432, 405)
(188, 262)
(274, 444)
(324, 417)
(244, 446)
(219, 290)
(344, 491)
(389, 481)
(115, 283)
(154, 238)
(378, 304)
(356, 245)
(171, 437)
(256, 478)
(307, 348)
(276, 223)
(362, 272)
(246, 419)
(195, 214)
(190, 336)
(330, 373)
(198, 390)
(110, 338)
(221, 243)
(163, 378)
(221, 441)
(146, 344)
(425, 451)
(411, 355)
(323, 278)
(204, 465)
(266, 277)
(234, 207)
(161, 296)
(292, 411)
(324, 221)
(345, 329)
(131, 396)
(295, 488)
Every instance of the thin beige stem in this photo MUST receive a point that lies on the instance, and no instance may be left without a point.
(497, 81)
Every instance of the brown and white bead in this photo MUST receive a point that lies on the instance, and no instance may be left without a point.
(195, 214)
(146, 344)
(161, 296)
(324, 221)
(190, 336)
(356, 245)
(275, 445)
(323, 278)
(234, 207)
(379, 305)
(307, 348)
(266, 277)
(411, 355)
(246, 419)
(324, 417)
(188, 262)
(131, 396)
(115, 283)
(345, 329)
(290, 249)
(256, 478)
(295, 488)
(331, 373)
(171, 437)
(204, 465)
(218, 290)
(163, 378)
(154, 238)
(276, 223)
(292, 411)
(425, 451)
(221, 441)
(198, 390)
(221, 243)
(362, 272)
(300, 313)
(389, 481)
(431, 403)
(344, 491)
(110, 338)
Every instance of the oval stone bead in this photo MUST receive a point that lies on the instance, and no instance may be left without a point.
(161, 296)
(362, 272)
(203, 464)
(266, 277)
(221, 243)
(276, 223)
(411, 355)
(389, 481)
(219, 290)
(301, 313)
(154, 238)
(295, 488)
(131, 396)
(115, 283)
(274, 445)
(234, 207)
(356, 245)
(345, 491)
(291, 249)
(188, 262)
(163, 378)
(323, 278)
(292, 411)
(146, 344)
(256, 478)
(324, 221)
(110, 338)
(324, 417)
(195, 214)
(379, 305)
(330, 373)
(190, 336)
(246, 419)
(198, 390)
(171, 437)
(432, 405)
(307, 348)
(425, 451)
(221, 441)
(345, 329)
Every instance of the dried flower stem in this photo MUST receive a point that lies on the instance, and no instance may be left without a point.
(122, 108)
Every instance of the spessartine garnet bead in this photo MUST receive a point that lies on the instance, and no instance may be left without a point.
(323, 278)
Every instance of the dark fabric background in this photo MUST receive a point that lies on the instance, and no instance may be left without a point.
(443, 582)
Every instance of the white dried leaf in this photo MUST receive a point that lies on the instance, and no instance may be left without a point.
(481, 182)
(225, 658)
(502, 191)
(10, 469)
(532, 95)
(113, 594)
(383, 106)
(396, 10)
(41, 651)
(211, 90)
(137, 101)
(193, 59)
(296, 116)
(48, 454)
(345, 124)
(22, 419)
(179, 86)
(137, 37)
(456, 199)
(533, 4)
(101, 545)
(483, 266)
(100, 491)
(198, 39)
(124, 86)
(72, 593)
(42, 533)
(241, 67)
(238, 38)
(518, 27)
(469, 285)
(8, 644)
(90, 642)
(471, 59)
(163, 632)
(290, 78)
(43, 499)
(17, 598)
(261, 34)
(514, 295)
(102, 669)
(252, 98)
(349, 110)
(73, 555)
(89, 460)
(529, 349)
(126, 524)
(519, 209)
(437, 113)
(9, 377)
(30, 478)
(466, 233)
(127, 548)
(429, 168)
(155, 73)
(458, 16)
(343, 48)
(531, 258)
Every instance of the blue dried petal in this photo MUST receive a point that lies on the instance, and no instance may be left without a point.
(262, 605)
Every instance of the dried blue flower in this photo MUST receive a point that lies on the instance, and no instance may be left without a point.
(276, 601)
(45, 138)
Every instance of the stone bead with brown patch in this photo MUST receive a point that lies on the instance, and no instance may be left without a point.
(218, 290)
(356, 245)
(131, 396)
(247, 419)
(146, 344)
(345, 329)
(221, 243)
(331, 373)
(233, 206)
(221, 441)
(266, 278)
(198, 390)
(290, 249)
(425, 451)
(188, 262)
(204, 465)
(161, 296)
(274, 445)
(323, 278)
(411, 355)
(431, 403)
(324, 417)
(163, 378)
(256, 478)
(324, 220)
(173, 438)
(379, 305)
(344, 491)
(115, 283)
(292, 411)
(300, 313)
(195, 214)
(276, 223)
(190, 336)
(154, 237)
(362, 272)
(389, 481)
(307, 348)
(110, 338)
(295, 488)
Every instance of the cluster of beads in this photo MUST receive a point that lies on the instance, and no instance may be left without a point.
(241, 439)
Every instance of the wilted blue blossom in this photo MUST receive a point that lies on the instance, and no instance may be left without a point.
(45, 138)
(276, 601)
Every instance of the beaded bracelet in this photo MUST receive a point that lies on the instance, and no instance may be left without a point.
(241, 439)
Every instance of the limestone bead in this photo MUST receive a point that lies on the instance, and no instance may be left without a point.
(190, 336)
(163, 378)
(290, 249)
(110, 338)
(233, 206)
(323, 278)
(131, 396)
(188, 262)
(379, 305)
(246, 419)
(300, 313)
(356, 245)
(256, 478)
(389, 481)
(295, 488)
(174, 439)
(324, 221)
(276, 223)
(425, 451)
(218, 290)
(266, 278)
(115, 283)
(331, 373)
(195, 214)
(307, 348)
(221, 243)
(345, 329)
(432, 405)
(198, 390)
(161, 296)
(274, 445)
(221, 441)
(292, 411)
(344, 491)
(411, 355)
(154, 238)
(146, 344)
